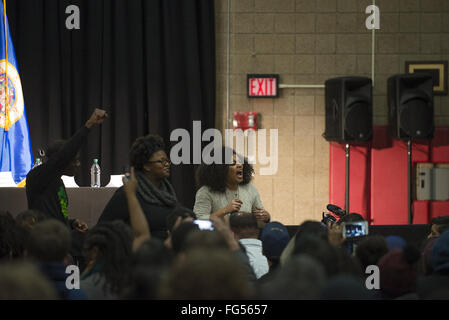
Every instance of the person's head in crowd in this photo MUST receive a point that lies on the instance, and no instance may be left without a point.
(148, 265)
(179, 212)
(318, 249)
(24, 281)
(148, 156)
(370, 250)
(395, 242)
(11, 237)
(352, 217)
(48, 242)
(307, 227)
(346, 287)
(205, 240)
(29, 218)
(274, 237)
(180, 234)
(312, 227)
(439, 225)
(440, 254)
(202, 274)
(217, 176)
(302, 277)
(107, 250)
(244, 225)
(398, 272)
(72, 167)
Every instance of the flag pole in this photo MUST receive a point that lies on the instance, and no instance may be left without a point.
(7, 122)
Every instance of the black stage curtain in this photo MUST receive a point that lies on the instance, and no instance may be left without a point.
(149, 63)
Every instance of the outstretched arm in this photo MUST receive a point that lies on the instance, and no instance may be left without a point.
(138, 221)
(44, 174)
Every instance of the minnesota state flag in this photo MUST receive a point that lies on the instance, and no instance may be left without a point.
(15, 154)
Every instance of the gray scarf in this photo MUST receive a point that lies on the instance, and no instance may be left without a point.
(163, 196)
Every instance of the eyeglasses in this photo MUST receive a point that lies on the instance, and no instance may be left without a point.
(161, 161)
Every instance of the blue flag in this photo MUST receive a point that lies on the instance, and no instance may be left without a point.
(15, 154)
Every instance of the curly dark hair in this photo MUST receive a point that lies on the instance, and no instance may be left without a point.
(114, 242)
(11, 237)
(214, 175)
(143, 148)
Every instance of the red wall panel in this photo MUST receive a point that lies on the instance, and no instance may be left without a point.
(378, 177)
(359, 179)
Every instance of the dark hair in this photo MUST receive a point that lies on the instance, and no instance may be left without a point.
(244, 225)
(203, 274)
(302, 277)
(114, 242)
(442, 223)
(312, 227)
(178, 211)
(148, 265)
(318, 249)
(180, 235)
(29, 218)
(12, 237)
(205, 240)
(24, 281)
(49, 241)
(54, 147)
(143, 148)
(370, 250)
(215, 175)
(352, 217)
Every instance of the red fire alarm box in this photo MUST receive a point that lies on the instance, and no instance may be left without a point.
(245, 120)
(263, 85)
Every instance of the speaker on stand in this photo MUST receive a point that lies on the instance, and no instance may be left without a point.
(410, 116)
(349, 115)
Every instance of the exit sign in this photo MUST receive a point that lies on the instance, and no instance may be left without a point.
(263, 85)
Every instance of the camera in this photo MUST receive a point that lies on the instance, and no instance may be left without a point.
(334, 214)
(204, 224)
(328, 218)
(354, 230)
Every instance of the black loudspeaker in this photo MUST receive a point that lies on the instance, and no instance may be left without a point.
(410, 103)
(349, 109)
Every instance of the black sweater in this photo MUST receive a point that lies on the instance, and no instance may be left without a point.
(117, 209)
(44, 187)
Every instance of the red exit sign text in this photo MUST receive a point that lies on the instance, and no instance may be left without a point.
(263, 85)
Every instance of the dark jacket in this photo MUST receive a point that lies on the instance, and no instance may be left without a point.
(117, 209)
(55, 273)
(44, 187)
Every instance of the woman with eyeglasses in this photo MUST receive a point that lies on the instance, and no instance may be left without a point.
(227, 188)
(155, 193)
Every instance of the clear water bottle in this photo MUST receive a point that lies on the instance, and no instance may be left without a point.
(95, 175)
(37, 162)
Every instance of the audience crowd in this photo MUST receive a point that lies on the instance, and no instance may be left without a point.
(235, 260)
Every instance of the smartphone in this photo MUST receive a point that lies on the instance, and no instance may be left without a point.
(126, 173)
(204, 224)
(355, 229)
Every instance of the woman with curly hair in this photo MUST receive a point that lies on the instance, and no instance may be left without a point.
(154, 192)
(226, 188)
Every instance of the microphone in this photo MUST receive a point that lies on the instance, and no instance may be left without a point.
(335, 209)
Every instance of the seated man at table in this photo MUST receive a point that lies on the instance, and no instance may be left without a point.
(44, 187)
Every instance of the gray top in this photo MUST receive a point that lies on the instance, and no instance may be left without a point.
(208, 201)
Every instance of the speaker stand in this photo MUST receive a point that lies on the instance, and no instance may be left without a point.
(409, 176)
(347, 179)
